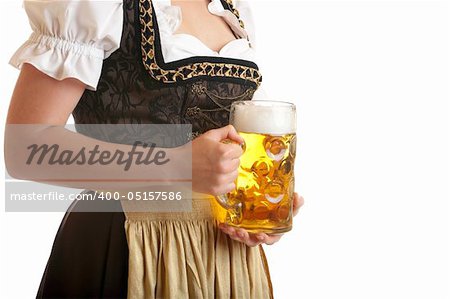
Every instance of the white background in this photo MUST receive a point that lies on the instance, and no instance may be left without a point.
(371, 81)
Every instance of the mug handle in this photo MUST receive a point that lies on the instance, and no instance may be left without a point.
(222, 200)
(234, 212)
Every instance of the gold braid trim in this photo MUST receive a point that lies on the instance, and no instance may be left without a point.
(235, 11)
(224, 70)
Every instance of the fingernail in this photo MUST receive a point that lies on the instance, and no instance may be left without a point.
(260, 237)
(241, 234)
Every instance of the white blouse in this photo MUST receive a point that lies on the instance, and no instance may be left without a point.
(71, 38)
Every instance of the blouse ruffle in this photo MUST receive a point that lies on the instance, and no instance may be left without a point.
(176, 46)
(71, 39)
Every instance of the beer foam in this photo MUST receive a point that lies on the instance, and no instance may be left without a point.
(264, 118)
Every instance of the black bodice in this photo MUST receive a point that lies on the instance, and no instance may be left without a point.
(137, 87)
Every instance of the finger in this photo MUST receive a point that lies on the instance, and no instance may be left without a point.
(243, 235)
(226, 189)
(229, 177)
(228, 132)
(247, 238)
(226, 228)
(228, 167)
(240, 235)
(221, 189)
(272, 239)
(268, 239)
(235, 163)
(231, 232)
(230, 151)
(234, 136)
(297, 203)
(222, 226)
(261, 237)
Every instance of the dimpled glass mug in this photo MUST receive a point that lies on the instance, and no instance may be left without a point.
(263, 198)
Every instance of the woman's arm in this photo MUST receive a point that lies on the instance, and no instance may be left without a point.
(40, 99)
(45, 104)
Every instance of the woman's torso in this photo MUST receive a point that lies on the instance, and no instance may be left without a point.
(137, 86)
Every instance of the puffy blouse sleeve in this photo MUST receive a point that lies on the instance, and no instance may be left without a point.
(71, 38)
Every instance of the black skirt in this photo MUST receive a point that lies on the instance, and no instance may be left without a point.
(89, 258)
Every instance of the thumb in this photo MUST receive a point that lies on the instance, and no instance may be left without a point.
(226, 133)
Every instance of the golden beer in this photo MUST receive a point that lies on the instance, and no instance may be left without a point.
(262, 200)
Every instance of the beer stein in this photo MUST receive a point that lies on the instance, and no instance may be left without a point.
(263, 197)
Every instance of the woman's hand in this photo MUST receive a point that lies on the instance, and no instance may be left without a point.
(250, 239)
(214, 163)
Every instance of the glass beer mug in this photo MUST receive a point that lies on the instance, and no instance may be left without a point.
(262, 200)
